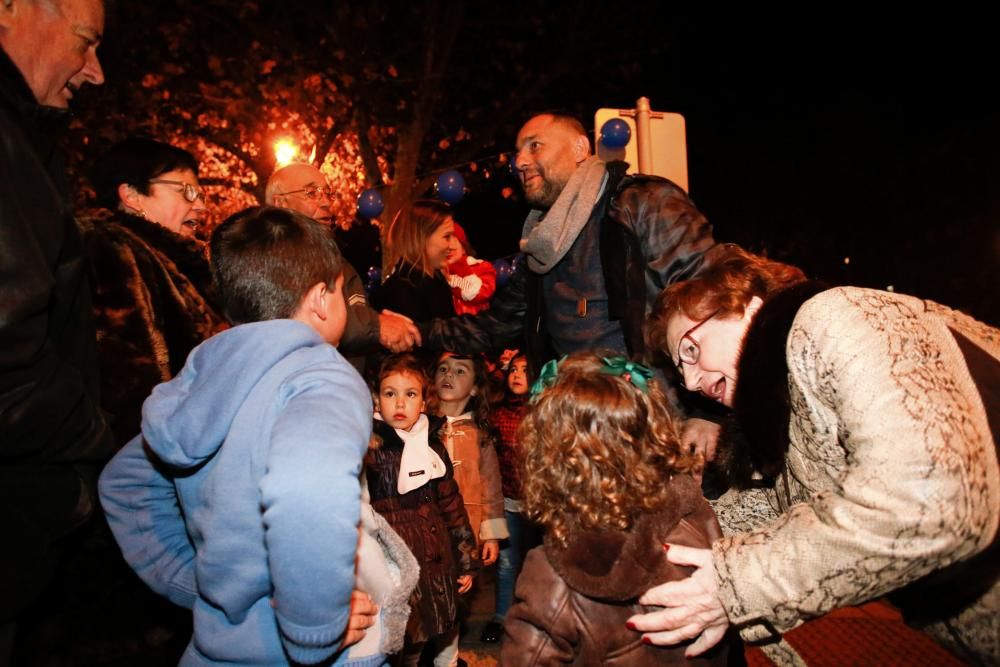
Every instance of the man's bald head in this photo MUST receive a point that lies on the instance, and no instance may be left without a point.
(550, 146)
(300, 187)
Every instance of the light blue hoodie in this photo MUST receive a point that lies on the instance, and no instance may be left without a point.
(248, 513)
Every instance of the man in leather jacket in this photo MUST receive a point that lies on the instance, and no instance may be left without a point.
(52, 433)
(599, 245)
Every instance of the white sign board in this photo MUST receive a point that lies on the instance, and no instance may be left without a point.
(669, 142)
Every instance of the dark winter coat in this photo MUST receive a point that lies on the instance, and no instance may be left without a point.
(433, 523)
(152, 290)
(411, 292)
(51, 427)
(571, 603)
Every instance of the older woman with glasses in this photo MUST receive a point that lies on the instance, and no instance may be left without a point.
(152, 284)
(861, 451)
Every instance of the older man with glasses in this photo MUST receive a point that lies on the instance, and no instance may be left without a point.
(53, 433)
(303, 188)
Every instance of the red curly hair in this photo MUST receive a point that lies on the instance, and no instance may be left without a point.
(598, 450)
(725, 288)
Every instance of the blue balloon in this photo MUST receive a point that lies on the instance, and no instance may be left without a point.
(451, 186)
(615, 133)
(370, 204)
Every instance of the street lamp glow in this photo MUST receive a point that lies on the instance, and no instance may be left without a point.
(284, 152)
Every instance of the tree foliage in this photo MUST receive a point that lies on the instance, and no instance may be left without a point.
(383, 94)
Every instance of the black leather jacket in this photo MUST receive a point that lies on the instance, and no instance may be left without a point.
(50, 422)
(651, 236)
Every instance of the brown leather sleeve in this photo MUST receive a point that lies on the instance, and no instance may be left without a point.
(455, 517)
(539, 628)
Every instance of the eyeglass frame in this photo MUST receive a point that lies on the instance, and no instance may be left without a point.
(311, 192)
(697, 346)
(185, 191)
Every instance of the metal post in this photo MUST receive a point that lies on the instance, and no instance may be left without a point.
(643, 136)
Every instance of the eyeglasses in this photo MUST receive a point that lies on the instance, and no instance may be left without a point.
(688, 350)
(314, 192)
(190, 193)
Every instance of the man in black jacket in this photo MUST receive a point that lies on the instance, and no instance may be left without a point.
(52, 433)
(600, 246)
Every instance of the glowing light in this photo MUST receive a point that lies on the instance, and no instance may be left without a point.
(284, 152)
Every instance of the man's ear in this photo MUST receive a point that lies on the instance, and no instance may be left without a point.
(8, 12)
(581, 148)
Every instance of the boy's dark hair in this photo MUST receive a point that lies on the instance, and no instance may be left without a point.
(265, 259)
(136, 162)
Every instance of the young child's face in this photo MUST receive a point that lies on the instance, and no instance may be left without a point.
(517, 379)
(455, 379)
(401, 399)
(455, 249)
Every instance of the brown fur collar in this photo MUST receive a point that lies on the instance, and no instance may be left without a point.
(622, 565)
(754, 437)
(188, 254)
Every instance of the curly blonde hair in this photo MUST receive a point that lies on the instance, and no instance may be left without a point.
(597, 450)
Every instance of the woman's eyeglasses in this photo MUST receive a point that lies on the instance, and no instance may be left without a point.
(688, 350)
(190, 192)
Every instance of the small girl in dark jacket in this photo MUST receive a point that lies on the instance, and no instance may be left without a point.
(605, 474)
(411, 483)
(522, 534)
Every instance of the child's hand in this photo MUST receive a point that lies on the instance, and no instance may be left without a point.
(464, 584)
(363, 613)
(491, 549)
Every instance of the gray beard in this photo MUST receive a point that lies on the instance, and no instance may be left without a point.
(546, 197)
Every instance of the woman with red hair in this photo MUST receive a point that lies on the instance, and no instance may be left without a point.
(861, 451)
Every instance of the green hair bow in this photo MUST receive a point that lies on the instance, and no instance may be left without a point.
(632, 371)
(546, 377)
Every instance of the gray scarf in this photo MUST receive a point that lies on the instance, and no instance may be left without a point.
(548, 235)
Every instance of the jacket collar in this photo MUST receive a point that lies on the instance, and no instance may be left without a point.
(622, 565)
(43, 124)
(755, 435)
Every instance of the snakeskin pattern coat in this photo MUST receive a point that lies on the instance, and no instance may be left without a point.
(884, 410)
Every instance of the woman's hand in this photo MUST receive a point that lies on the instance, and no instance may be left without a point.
(692, 607)
(464, 584)
(491, 549)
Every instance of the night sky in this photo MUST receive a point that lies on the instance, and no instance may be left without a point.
(865, 150)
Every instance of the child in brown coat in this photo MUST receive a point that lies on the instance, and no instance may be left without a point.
(605, 474)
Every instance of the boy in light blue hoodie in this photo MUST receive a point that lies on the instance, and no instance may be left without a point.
(240, 500)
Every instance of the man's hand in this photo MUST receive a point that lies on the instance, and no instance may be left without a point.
(491, 550)
(397, 332)
(363, 613)
(464, 584)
